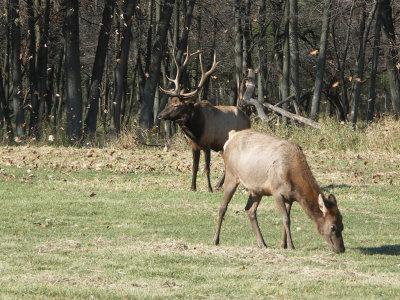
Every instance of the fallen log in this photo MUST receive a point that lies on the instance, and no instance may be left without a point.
(250, 86)
(292, 116)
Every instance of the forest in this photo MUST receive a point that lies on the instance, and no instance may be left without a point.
(75, 70)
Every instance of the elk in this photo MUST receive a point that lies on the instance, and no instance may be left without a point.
(205, 126)
(268, 165)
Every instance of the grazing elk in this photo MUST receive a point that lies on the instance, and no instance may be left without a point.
(268, 165)
(206, 127)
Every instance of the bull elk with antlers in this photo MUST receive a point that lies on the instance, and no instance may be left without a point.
(205, 126)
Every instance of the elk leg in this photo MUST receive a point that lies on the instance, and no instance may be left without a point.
(284, 235)
(221, 181)
(280, 203)
(196, 158)
(207, 156)
(229, 190)
(251, 210)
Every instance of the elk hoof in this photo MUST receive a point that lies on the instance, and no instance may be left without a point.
(218, 188)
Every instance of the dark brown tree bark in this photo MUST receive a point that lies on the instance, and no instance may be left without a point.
(5, 121)
(238, 47)
(16, 69)
(319, 78)
(73, 88)
(43, 54)
(360, 71)
(391, 53)
(121, 68)
(33, 82)
(374, 67)
(262, 59)
(58, 98)
(98, 67)
(151, 84)
(149, 38)
(285, 81)
(294, 53)
(247, 54)
(343, 106)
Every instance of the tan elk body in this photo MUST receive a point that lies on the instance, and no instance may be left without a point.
(268, 165)
(205, 126)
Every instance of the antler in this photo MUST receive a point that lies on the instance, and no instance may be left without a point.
(203, 75)
(176, 92)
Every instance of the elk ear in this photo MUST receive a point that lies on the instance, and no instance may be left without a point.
(332, 200)
(321, 204)
(175, 100)
(231, 133)
(191, 99)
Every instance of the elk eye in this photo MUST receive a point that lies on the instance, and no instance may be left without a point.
(333, 228)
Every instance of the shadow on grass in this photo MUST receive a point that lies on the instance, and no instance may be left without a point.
(335, 186)
(384, 249)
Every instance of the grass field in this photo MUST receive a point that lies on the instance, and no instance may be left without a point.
(121, 223)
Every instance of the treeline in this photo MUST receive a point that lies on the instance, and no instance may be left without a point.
(82, 68)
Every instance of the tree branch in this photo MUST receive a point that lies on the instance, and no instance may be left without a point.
(250, 86)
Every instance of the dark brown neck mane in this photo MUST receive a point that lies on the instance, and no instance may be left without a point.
(192, 123)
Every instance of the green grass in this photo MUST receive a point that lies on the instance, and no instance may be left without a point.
(118, 223)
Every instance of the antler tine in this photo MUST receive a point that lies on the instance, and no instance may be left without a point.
(176, 92)
(203, 75)
(187, 57)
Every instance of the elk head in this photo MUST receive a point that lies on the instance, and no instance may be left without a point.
(331, 226)
(181, 105)
(177, 110)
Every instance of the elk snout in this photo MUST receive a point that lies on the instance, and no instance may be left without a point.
(338, 246)
(161, 115)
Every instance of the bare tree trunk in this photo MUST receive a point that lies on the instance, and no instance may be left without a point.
(7, 72)
(121, 68)
(319, 78)
(285, 85)
(146, 111)
(374, 67)
(206, 87)
(262, 44)
(238, 46)
(391, 54)
(4, 114)
(341, 63)
(73, 87)
(149, 37)
(58, 97)
(98, 68)
(247, 63)
(360, 71)
(41, 67)
(17, 75)
(294, 53)
(33, 82)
